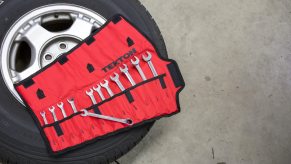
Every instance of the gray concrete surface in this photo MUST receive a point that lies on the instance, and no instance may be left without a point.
(236, 60)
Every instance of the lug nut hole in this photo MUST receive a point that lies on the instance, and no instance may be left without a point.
(48, 57)
(63, 46)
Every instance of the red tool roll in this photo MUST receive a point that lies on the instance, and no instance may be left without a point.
(72, 105)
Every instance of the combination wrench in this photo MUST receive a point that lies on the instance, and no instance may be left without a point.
(72, 103)
(61, 106)
(137, 66)
(115, 78)
(127, 74)
(91, 95)
(44, 117)
(150, 63)
(106, 86)
(98, 90)
(126, 121)
(52, 110)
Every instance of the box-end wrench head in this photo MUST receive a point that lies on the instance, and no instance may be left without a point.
(115, 78)
(61, 106)
(44, 117)
(98, 90)
(148, 60)
(84, 112)
(71, 101)
(125, 71)
(137, 66)
(126, 121)
(106, 86)
(52, 110)
(90, 93)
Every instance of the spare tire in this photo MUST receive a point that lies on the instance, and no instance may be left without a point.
(20, 140)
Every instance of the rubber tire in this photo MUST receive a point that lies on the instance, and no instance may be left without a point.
(20, 141)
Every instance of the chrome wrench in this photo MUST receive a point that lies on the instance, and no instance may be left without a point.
(91, 95)
(127, 74)
(61, 106)
(44, 117)
(106, 86)
(126, 121)
(150, 63)
(137, 66)
(72, 103)
(98, 90)
(52, 110)
(115, 78)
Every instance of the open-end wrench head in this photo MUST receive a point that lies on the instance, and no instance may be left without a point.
(52, 109)
(60, 105)
(147, 58)
(115, 77)
(97, 88)
(125, 69)
(42, 113)
(136, 61)
(105, 84)
(90, 92)
(84, 112)
(72, 103)
(70, 100)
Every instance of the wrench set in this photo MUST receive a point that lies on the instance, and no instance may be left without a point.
(115, 78)
(112, 82)
(105, 85)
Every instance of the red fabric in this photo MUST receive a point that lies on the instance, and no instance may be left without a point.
(72, 79)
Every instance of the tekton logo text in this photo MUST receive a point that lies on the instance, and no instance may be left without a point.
(119, 60)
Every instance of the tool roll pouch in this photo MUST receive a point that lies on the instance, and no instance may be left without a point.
(101, 57)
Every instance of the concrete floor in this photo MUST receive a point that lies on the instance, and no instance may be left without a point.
(236, 60)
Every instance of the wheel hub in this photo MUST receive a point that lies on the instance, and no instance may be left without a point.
(58, 46)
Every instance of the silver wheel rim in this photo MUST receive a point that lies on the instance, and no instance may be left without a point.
(45, 44)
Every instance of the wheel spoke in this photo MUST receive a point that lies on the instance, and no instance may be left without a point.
(18, 76)
(36, 37)
(80, 28)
